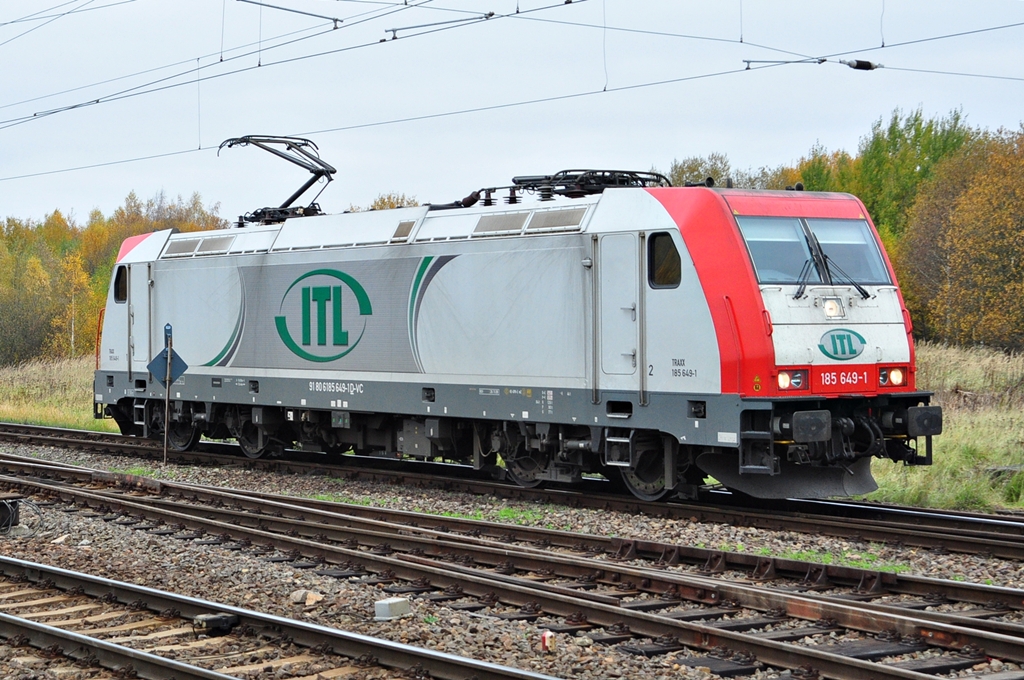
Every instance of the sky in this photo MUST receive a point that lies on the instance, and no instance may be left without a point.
(466, 93)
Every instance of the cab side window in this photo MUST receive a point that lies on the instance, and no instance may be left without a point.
(664, 268)
(121, 284)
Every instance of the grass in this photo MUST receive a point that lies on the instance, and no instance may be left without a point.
(56, 393)
(138, 471)
(341, 498)
(846, 559)
(978, 459)
(981, 392)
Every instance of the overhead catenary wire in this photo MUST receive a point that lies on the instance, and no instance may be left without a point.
(394, 31)
(35, 15)
(741, 20)
(393, 121)
(955, 73)
(918, 41)
(44, 24)
(121, 95)
(135, 90)
(458, 112)
(105, 164)
(881, 24)
(223, 24)
(206, 56)
(39, 16)
(604, 40)
(153, 86)
(545, 99)
(400, 6)
(199, 109)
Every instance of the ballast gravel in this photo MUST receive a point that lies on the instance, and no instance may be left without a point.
(243, 579)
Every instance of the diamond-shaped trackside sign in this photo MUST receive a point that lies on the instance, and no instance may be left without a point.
(158, 366)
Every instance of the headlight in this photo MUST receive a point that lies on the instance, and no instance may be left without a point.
(892, 377)
(833, 308)
(792, 380)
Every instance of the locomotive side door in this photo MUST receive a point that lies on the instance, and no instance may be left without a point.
(139, 316)
(619, 307)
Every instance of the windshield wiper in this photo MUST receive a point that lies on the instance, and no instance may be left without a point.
(805, 276)
(831, 265)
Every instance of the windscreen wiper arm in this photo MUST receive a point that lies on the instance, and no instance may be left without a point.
(860, 289)
(805, 276)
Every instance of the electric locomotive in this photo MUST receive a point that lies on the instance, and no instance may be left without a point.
(614, 325)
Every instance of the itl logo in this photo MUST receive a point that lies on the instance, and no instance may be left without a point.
(842, 344)
(319, 308)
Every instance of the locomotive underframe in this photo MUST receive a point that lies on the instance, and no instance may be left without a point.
(769, 448)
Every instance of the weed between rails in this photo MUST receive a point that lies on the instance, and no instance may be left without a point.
(846, 559)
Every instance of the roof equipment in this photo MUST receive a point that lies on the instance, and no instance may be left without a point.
(301, 152)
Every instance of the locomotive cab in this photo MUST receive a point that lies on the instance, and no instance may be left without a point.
(838, 386)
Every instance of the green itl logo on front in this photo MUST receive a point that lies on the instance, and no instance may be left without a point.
(842, 344)
(321, 320)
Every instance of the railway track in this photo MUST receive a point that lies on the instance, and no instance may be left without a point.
(67, 621)
(733, 616)
(961, 532)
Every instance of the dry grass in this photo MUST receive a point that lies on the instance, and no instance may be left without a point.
(971, 378)
(57, 393)
(981, 392)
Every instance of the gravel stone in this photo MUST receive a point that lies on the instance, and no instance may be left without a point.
(243, 579)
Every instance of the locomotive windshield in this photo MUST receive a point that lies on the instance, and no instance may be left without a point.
(851, 245)
(779, 248)
(791, 250)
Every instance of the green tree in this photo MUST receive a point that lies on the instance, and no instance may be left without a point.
(824, 171)
(897, 157)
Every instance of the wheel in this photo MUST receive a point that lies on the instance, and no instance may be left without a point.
(524, 468)
(524, 471)
(647, 481)
(248, 440)
(183, 436)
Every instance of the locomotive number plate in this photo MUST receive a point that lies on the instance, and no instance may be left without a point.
(845, 379)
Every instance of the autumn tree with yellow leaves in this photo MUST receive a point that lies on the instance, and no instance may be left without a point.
(981, 297)
(54, 274)
(73, 327)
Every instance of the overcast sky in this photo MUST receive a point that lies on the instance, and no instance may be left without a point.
(355, 81)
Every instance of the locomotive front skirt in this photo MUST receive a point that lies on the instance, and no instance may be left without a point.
(657, 336)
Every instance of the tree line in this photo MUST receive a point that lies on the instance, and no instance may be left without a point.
(946, 197)
(948, 201)
(54, 274)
